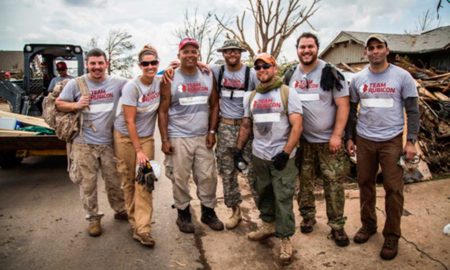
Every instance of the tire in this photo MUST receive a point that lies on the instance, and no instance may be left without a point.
(9, 160)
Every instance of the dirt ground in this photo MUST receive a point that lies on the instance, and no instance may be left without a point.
(42, 227)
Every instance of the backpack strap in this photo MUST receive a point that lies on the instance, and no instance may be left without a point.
(247, 78)
(219, 79)
(250, 100)
(284, 93)
(288, 75)
(84, 90)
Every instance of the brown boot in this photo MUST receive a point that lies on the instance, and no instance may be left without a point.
(265, 231)
(390, 248)
(235, 218)
(285, 251)
(363, 234)
(307, 225)
(340, 237)
(95, 228)
(145, 239)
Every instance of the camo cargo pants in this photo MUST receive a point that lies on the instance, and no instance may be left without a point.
(314, 160)
(226, 141)
(89, 160)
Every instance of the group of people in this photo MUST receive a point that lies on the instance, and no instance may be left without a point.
(279, 131)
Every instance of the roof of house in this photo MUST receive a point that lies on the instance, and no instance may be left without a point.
(428, 41)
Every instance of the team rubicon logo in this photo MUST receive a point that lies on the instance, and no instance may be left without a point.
(365, 88)
(182, 88)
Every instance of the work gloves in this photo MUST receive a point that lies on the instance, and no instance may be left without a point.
(280, 160)
(331, 78)
(239, 162)
(146, 176)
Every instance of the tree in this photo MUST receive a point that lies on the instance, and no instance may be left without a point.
(118, 47)
(426, 21)
(203, 30)
(274, 22)
(93, 43)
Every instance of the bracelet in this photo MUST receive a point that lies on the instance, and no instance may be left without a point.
(164, 140)
(212, 132)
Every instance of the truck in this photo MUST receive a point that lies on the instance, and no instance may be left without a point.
(26, 96)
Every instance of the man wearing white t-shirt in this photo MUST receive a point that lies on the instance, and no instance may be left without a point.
(383, 91)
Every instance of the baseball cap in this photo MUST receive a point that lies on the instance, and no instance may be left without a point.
(231, 44)
(378, 37)
(266, 58)
(61, 66)
(188, 41)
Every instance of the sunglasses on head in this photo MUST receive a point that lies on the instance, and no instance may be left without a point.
(146, 63)
(264, 66)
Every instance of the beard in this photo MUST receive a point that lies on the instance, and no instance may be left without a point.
(310, 62)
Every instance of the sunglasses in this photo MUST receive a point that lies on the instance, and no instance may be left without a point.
(264, 66)
(305, 78)
(147, 63)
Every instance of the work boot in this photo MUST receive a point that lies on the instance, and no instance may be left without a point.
(307, 225)
(390, 248)
(363, 234)
(145, 239)
(95, 228)
(285, 250)
(265, 231)
(210, 218)
(340, 237)
(235, 218)
(184, 221)
(121, 215)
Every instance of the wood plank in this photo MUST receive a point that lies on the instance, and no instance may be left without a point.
(348, 67)
(441, 96)
(12, 133)
(30, 120)
(440, 76)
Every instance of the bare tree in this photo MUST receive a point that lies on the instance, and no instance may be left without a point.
(93, 43)
(426, 21)
(203, 30)
(274, 22)
(118, 47)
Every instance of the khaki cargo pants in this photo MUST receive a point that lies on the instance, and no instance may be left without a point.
(192, 155)
(87, 161)
(138, 201)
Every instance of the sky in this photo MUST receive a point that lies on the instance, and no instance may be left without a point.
(154, 22)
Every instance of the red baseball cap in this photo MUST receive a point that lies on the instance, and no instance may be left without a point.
(61, 66)
(188, 41)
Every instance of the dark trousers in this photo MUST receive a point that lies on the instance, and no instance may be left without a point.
(387, 155)
(276, 190)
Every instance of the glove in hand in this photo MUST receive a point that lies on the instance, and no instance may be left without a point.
(239, 160)
(280, 160)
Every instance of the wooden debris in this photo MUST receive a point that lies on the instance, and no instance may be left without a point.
(26, 119)
(14, 133)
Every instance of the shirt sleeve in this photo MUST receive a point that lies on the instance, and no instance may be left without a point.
(344, 92)
(70, 92)
(409, 88)
(294, 102)
(130, 94)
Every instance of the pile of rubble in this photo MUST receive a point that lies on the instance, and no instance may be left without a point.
(434, 135)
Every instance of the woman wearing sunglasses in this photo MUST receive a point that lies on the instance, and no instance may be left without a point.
(134, 143)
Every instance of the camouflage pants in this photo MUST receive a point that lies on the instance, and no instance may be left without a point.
(226, 141)
(314, 159)
(90, 159)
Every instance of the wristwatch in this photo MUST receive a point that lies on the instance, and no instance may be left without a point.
(212, 132)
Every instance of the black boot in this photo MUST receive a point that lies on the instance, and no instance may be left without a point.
(209, 218)
(184, 220)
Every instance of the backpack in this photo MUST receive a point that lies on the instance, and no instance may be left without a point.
(284, 93)
(220, 78)
(67, 125)
(329, 80)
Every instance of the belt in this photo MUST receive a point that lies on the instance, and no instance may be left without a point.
(232, 122)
